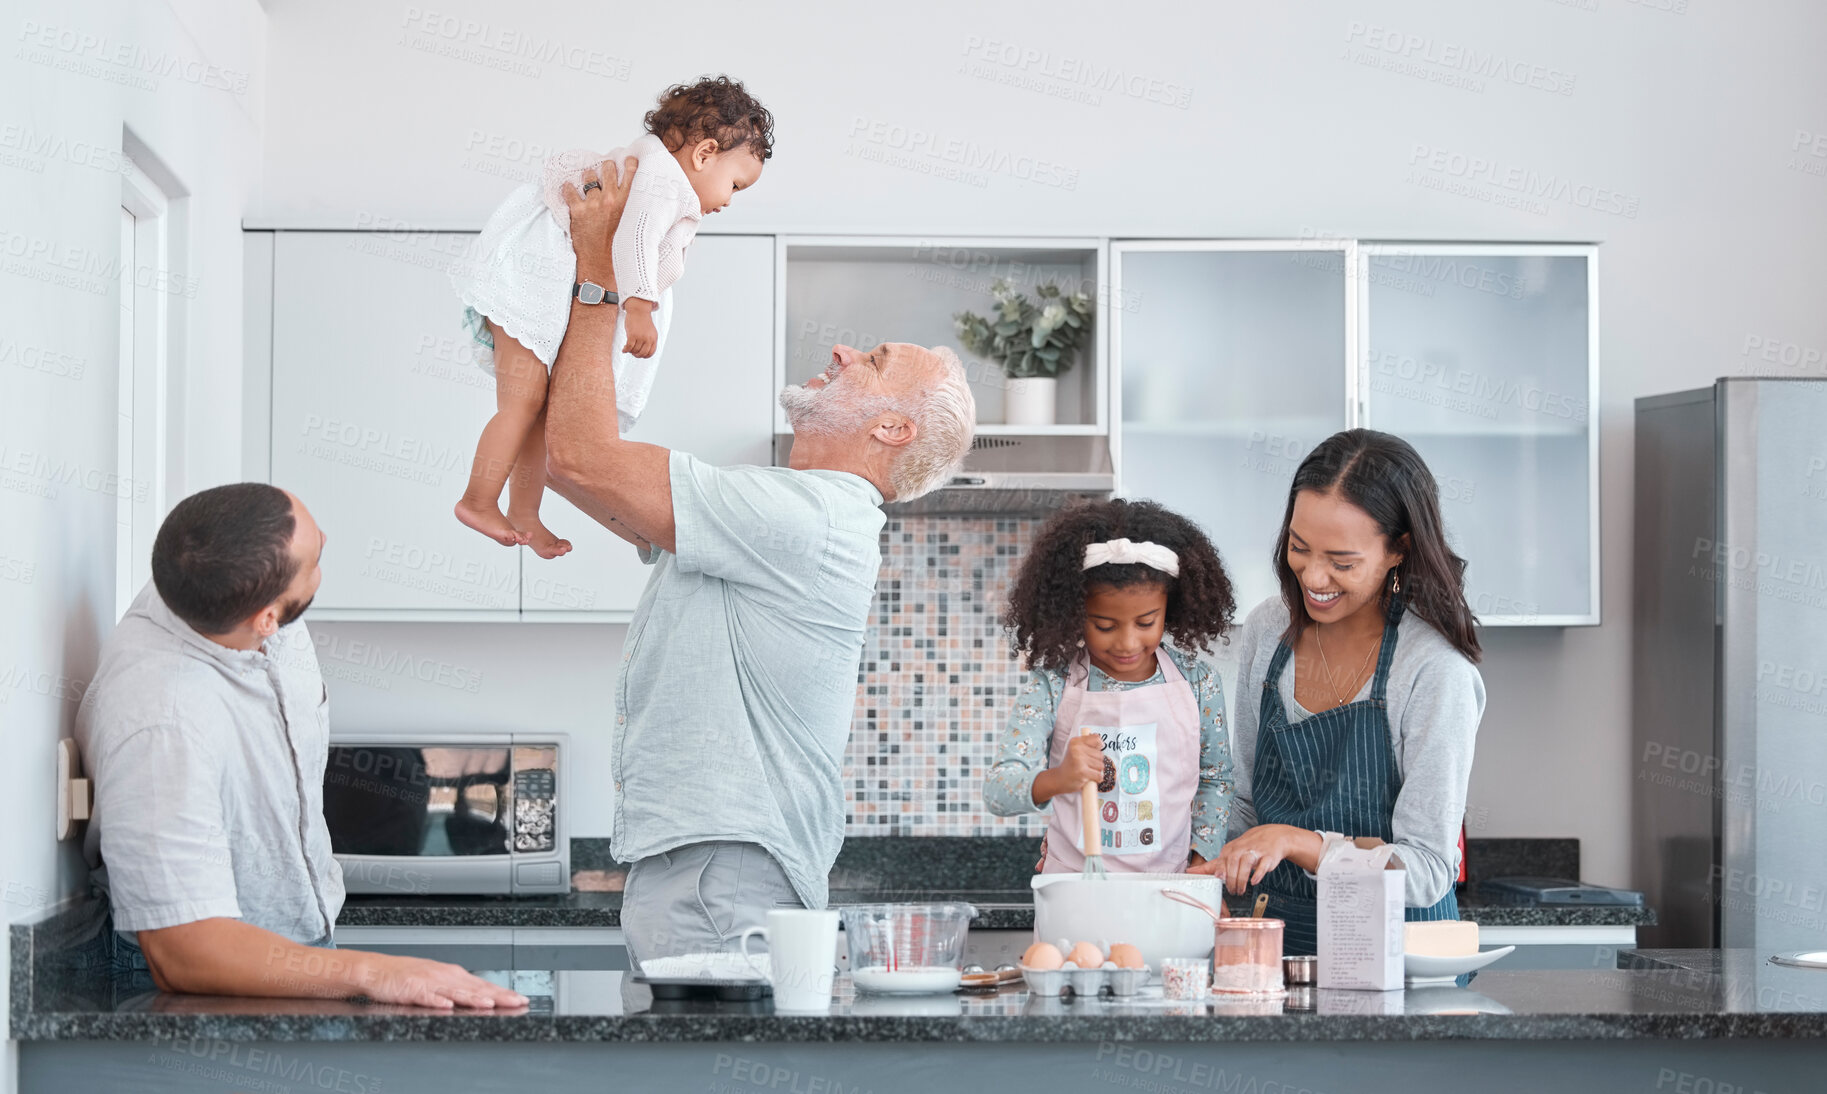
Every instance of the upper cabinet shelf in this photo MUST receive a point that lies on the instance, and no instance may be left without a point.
(862, 291)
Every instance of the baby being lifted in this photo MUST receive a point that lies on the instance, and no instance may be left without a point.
(704, 142)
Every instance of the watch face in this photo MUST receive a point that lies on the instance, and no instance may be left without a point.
(590, 293)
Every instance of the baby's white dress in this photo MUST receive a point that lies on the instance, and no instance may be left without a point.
(525, 267)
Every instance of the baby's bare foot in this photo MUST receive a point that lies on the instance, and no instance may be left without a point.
(539, 537)
(487, 519)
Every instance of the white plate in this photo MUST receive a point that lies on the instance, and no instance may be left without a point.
(1427, 970)
(917, 981)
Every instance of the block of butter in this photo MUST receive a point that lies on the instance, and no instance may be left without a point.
(1440, 938)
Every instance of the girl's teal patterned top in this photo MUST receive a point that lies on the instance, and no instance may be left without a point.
(1021, 751)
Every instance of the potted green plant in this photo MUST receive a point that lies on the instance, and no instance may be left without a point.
(1033, 341)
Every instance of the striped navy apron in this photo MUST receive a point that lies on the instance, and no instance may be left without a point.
(1334, 772)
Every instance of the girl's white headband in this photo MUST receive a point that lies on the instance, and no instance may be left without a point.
(1120, 551)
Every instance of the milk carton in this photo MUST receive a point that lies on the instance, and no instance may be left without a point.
(1360, 905)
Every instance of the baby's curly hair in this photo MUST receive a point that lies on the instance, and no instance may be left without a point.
(712, 108)
(1046, 612)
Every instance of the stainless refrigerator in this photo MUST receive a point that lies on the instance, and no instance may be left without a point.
(1729, 665)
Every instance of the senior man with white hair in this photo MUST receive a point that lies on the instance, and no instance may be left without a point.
(739, 676)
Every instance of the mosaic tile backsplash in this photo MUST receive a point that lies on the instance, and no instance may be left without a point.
(937, 680)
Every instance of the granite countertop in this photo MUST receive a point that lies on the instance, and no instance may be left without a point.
(1485, 913)
(997, 909)
(572, 909)
(1769, 1002)
(989, 872)
(1002, 909)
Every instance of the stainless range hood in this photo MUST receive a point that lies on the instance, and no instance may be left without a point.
(1011, 475)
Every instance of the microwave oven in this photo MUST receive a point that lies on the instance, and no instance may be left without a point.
(449, 814)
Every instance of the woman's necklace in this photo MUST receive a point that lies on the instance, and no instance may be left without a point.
(1331, 680)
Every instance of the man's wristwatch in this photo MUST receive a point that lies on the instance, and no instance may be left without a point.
(589, 292)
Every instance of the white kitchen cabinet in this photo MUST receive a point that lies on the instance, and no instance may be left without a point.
(376, 406)
(714, 398)
(1233, 359)
(377, 401)
(1485, 358)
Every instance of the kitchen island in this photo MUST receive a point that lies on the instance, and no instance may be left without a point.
(1730, 1020)
(1659, 1023)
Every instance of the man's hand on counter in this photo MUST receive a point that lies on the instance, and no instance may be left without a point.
(422, 982)
(228, 957)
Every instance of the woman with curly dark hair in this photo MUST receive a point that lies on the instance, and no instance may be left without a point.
(705, 141)
(1108, 700)
(1360, 693)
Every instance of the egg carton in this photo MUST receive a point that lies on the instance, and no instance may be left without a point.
(1085, 982)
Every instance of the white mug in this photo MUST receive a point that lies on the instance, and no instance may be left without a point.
(802, 956)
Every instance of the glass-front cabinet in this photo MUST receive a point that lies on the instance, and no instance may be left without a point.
(1485, 358)
(1231, 360)
(1235, 359)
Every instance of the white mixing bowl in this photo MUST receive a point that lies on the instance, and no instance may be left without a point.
(1127, 908)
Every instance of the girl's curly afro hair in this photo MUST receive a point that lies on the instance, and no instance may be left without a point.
(1046, 612)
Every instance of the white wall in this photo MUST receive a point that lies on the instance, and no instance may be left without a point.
(1687, 119)
(73, 76)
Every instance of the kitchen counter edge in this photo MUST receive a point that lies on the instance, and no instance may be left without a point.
(1003, 911)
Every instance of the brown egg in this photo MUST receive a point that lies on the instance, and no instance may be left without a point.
(1126, 956)
(1042, 955)
(1086, 956)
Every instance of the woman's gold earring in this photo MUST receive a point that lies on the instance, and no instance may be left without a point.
(1395, 582)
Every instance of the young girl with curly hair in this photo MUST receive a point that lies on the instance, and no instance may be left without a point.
(1108, 700)
(705, 141)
